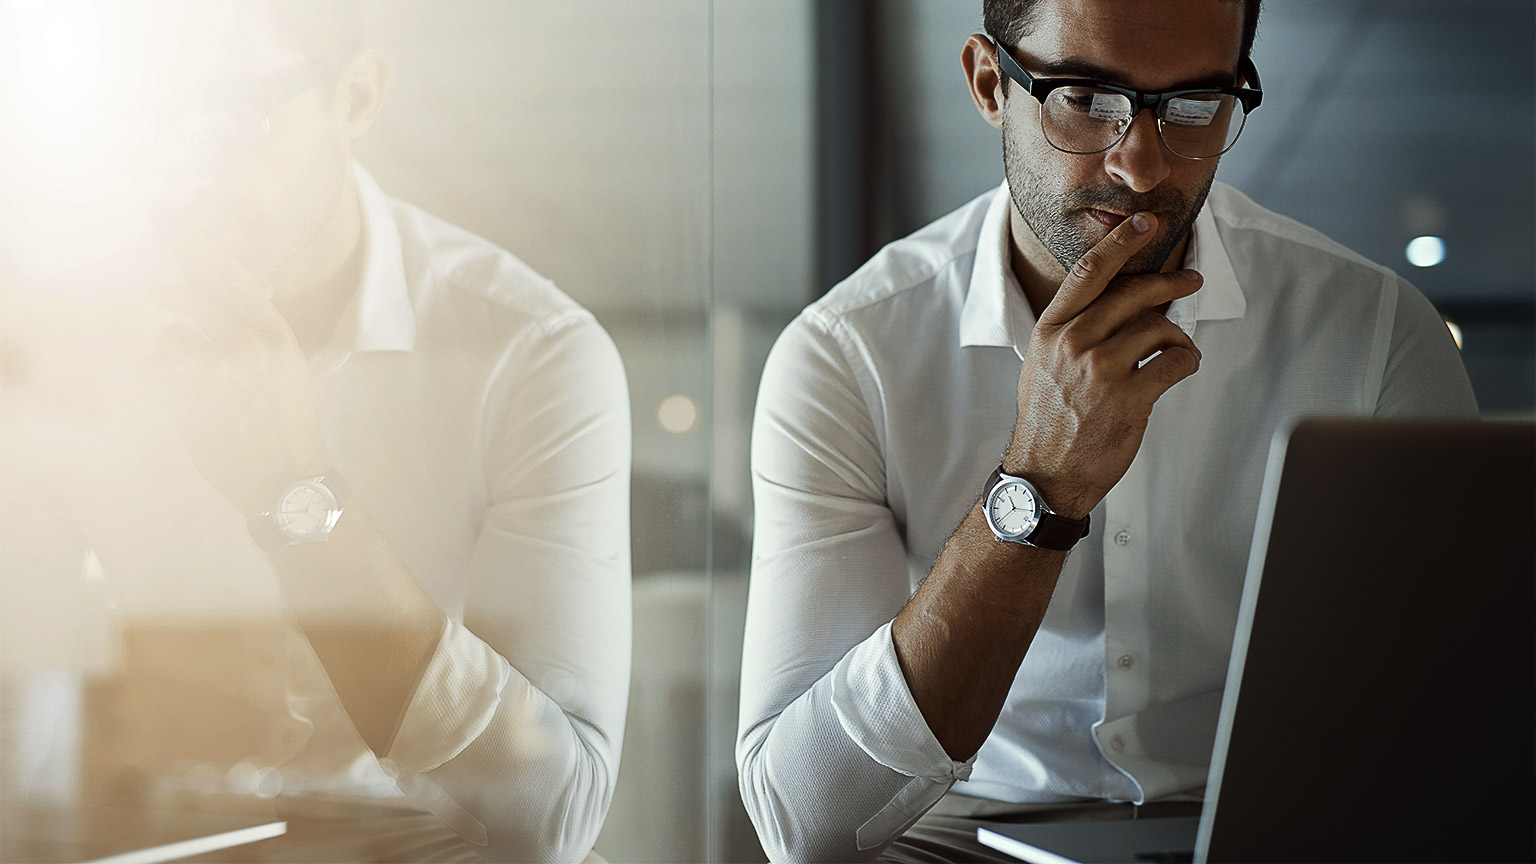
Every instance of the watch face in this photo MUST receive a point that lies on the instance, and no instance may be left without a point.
(307, 511)
(1012, 510)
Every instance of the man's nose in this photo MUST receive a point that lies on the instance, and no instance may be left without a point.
(1139, 161)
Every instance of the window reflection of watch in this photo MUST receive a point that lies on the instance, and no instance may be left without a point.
(305, 512)
(1017, 514)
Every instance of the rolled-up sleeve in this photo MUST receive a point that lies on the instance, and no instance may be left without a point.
(513, 734)
(835, 758)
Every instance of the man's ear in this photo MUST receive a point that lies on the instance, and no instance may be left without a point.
(984, 77)
(360, 90)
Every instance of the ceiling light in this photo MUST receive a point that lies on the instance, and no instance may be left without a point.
(677, 414)
(1425, 251)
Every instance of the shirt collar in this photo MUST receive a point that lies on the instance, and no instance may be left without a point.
(380, 316)
(995, 309)
(997, 315)
(1220, 297)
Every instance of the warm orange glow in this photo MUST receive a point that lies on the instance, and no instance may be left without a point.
(1455, 332)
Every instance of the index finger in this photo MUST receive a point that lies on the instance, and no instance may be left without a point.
(1097, 267)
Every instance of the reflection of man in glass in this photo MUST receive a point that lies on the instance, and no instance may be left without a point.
(424, 440)
(1051, 325)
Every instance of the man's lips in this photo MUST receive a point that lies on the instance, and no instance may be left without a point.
(1105, 217)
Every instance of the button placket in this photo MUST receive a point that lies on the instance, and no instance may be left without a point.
(1126, 590)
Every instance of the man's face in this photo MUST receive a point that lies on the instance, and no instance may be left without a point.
(258, 186)
(1072, 201)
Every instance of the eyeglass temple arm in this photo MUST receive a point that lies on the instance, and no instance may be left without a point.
(1012, 69)
(1250, 75)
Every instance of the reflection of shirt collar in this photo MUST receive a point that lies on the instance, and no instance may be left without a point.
(996, 314)
(380, 317)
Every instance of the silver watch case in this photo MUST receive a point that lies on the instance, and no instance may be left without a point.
(306, 521)
(1032, 522)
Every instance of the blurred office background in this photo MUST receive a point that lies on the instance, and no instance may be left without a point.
(696, 171)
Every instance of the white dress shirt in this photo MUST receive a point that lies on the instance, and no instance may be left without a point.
(883, 409)
(481, 417)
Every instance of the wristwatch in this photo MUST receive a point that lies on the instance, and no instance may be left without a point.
(1017, 514)
(304, 513)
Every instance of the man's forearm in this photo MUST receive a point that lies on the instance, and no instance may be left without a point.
(962, 636)
(372, 627)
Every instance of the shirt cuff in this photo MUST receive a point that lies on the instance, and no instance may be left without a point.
(876, 709)
(454, 702)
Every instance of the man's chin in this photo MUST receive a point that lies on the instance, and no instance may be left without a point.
(1146, 261)
(1150, 259)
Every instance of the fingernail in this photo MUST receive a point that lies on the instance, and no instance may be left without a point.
(1141, 222)
(1191, 275)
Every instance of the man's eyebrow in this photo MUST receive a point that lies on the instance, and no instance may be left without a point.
(1076, 67)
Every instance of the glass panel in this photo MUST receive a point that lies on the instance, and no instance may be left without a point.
(764, 216)
(486, 344)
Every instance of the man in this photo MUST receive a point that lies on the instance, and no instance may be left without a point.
(1093, 357)
(345, 368)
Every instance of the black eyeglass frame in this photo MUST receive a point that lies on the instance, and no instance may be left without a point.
(1041, 88)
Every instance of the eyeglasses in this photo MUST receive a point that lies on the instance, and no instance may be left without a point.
(1082, 116)
(243, 114)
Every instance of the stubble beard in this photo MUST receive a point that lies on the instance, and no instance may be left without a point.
(1056, 218)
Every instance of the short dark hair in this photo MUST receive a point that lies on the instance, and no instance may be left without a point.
(1008, 21)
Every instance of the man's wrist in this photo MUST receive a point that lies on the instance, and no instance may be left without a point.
(258, 495)
(993, 555)
(1062, 496)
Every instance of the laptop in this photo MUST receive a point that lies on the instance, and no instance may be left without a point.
(1381, 700)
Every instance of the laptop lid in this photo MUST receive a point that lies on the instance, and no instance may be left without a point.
(1381, 703)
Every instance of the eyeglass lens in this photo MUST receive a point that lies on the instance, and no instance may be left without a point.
(1090, 120)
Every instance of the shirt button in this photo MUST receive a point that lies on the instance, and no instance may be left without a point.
(1117, 744)
(1125, 661)
(1122, 538)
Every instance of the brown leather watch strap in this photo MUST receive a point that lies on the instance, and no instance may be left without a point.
(1056, 531)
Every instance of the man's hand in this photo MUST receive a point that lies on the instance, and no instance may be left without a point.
(243, 398)
(240, 389)
(1083, 402)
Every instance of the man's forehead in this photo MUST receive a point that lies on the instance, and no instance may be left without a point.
(1147, 44)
